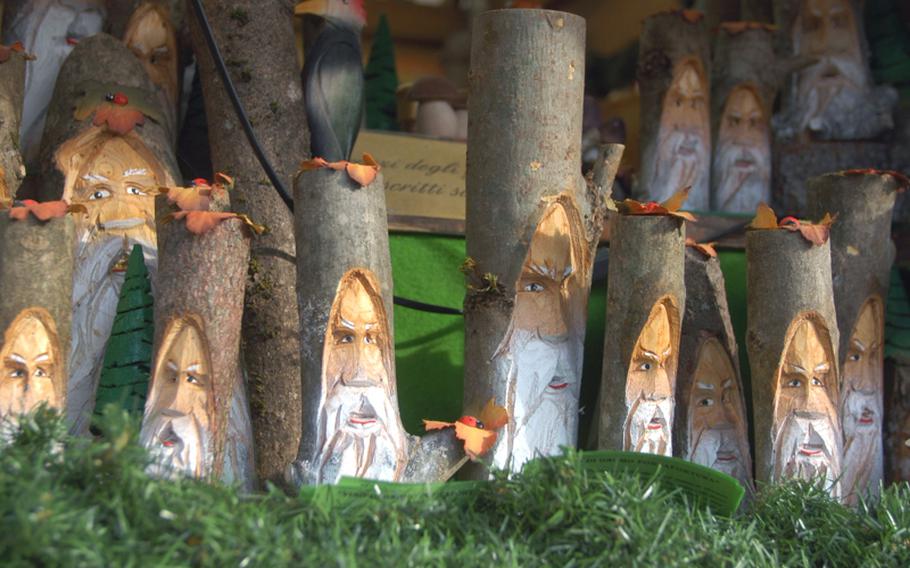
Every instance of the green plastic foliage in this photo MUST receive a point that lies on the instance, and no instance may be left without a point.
(381, 81)
(127, 360)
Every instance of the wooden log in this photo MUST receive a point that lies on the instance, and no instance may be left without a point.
(49, 29)
(646, 294)
(34, 318)
(711, 425)
(268, 83)
(12, 89)
(195, 422)
(897, 412)
(674, 81)
(532, 226)
(861, 257)
(745, 78)
(113, 170)
(792, 340)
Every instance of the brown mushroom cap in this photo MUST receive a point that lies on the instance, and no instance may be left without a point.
(433, 89)
(461, 101)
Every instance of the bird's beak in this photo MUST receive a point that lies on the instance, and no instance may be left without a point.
(316, 7)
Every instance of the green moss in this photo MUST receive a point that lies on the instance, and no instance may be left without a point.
(240, 16)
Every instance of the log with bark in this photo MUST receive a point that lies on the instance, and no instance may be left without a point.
(532, 226)
(12, 89)
(196, 416)
(259, 37)
(36, 283)
(674, 80)
(792, 340)
(711, 424)
(105, 147)
(646, 295)
(861, 257)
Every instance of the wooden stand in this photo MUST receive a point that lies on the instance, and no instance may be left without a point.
(710, 425)
(861, 257)
(792, 325)
(269, 86)
(645, 277)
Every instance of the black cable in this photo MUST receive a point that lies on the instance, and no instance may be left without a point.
(238, 106)
(260, 155)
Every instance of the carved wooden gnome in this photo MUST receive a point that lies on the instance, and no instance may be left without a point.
(36, 268)
(48, 29)
(832, 115)
(12, 83)
(745, 78)
(197, 419)
(105, 148)
(792, 340)
(861, 257)
(710, 426)
(532, 227)
(674, 80)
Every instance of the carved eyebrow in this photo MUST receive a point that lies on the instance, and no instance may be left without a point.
(346, 323)
(796, 367)
(17, 358)
(650, 355)
(706, 386)
(859, 344)
(94, 177)
(42, 358)
(193, 368)
(135, 172)
(823, 367)
(369, 326)
(728, 383)
(569, 270)
(171, 365)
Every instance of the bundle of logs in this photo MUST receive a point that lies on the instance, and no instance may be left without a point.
(272, 351)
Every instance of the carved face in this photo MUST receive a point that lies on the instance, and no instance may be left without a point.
(717, 428)
(807, 436)
(542, 351)
(684, 144)
(651, 381)
(31, 365)
(179, 411)
(360, 430)
(742, 161)
(150, 35)
(861, 406)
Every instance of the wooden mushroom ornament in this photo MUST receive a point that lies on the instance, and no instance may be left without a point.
(436, 115)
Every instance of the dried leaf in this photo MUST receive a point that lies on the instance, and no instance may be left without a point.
(195, 198)
(255, 227)
(706, 249)
(764, 218)
(200, 222)
(691, 16)
(493, 416)
(670, 207)
(119, 119)
(477, 441)
(436, 425)
(41, 211)
(6, 51)
(675, 202)
(363, 174)
(478, 435)
(815, 234)
(224, 180)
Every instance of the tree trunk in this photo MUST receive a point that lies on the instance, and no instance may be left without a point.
(12, 86)
(646, 278)
(861, 257)
(745, 65)
(203, 279)
(268, 82)
(708, 356)
(791, 319)
(98, 168)
(674, 44)
(43, 248)
(527, 206)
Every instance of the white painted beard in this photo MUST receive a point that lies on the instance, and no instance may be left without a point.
(544, 381)
(96, 291)
(648, 427)
(745, 177)
(682, 161)
(721, 450)
(179, 445)
(808, 448)
(376, 448)
(863, 460)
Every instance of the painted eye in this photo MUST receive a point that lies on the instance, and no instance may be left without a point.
(17, 373)
(40, 372)
(854, 357)
(794, 383)
(133, 190)
(348, 338)
(817, 382)
(192, 380)
(534, 287)
(100, 194)
(706, 402)
(645, 367)
(369, 339)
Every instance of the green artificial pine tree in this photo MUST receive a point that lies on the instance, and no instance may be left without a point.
(381, 81)
(127, 359)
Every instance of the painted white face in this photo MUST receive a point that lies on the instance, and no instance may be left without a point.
(806, 426)
(543, 350)
(742, 161)
(684, 140)
(360, 429)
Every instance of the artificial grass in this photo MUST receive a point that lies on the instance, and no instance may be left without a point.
(77, 502)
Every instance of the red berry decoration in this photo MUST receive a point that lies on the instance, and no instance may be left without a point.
(120, 99)
(200, 181)
(471, 421)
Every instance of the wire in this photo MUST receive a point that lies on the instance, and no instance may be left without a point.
(238, 105)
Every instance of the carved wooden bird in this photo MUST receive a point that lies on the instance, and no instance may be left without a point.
(333, 77)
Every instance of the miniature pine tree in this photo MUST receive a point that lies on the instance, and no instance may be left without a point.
(127, 359)
(381, 80)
